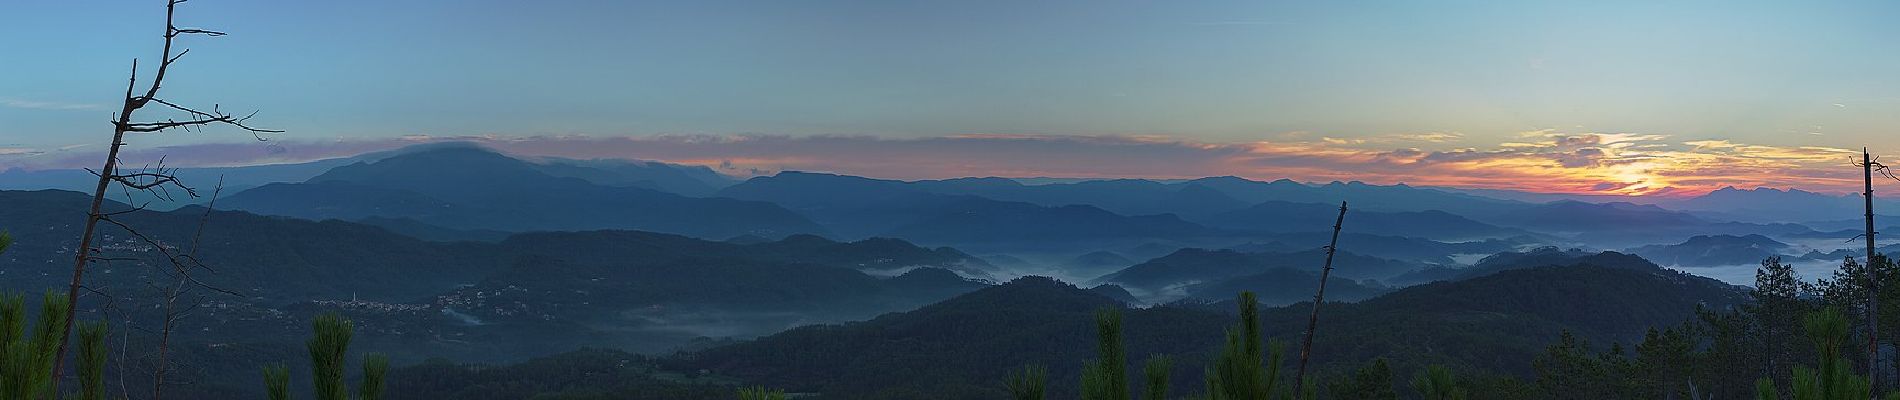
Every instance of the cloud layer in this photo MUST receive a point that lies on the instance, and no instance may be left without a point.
(1542, 161)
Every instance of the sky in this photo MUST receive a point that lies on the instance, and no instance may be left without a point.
(1604, 97)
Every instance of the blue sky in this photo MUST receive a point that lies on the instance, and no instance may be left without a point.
(1779, 74)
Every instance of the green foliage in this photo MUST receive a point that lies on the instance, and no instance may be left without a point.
(1665, 363)
(1030, 383)
(1436, 383)
(277, 381)
(1572, 369)
(1250, 322)
(13, 357)
(1731, 338)
(1095, 382)
(1241, 371)
(1828, 330)
(6, 240)
(1371, 382)
(1156, 370)
(1835, 379)
(1777, 310)
(375, 366)
(92, 360)
(1749, 351)
(760, 393)
(1850, 289)
(593, 374)
(26, 359)
(327, 348)
(1106, 378)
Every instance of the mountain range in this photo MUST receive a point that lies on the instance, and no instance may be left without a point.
(858, 287)
(1715, 250)
(1285, 217)
(470, 188)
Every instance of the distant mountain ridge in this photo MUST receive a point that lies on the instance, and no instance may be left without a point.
(1285, 217)
(475, 189)
(857, 206)
(1624, 224)
(1715, 250)
(1777, 205)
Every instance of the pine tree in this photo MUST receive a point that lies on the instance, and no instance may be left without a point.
(1371, 382)
(760, 393)
(1238, 372)
(1242, 372)
(1572, 369)
(1030, 383)
(1834, 379)
(375, 366)
(1437, 383)
(92, 361)
(327, 348)
(1157, 371)
(1731, 342)
(1663, 362)
(1778, 308)
(277, 381)
(26, 359)
(1106, 378)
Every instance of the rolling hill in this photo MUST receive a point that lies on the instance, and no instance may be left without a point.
(1156, 278)
(1499, 322)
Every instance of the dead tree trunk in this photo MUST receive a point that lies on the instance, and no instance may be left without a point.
(1873, 276)
(154, 181)
(1312, 323)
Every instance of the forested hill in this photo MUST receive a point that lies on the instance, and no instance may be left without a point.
(272, 260)
(531, 294)
(278, 260)
(961, 348)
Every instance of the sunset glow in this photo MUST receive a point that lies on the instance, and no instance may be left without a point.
(1542, 161)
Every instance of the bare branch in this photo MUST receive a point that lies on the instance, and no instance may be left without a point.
(181, 263)
(175, 58)
(217, 119)
(154, 179)
(206, 218)
(197, 31)
(182, 108)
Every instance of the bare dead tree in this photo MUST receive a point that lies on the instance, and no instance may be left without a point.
(1873, 280)
(1868, 166)
(156, 180)
(182, 285)
(1319, 297)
